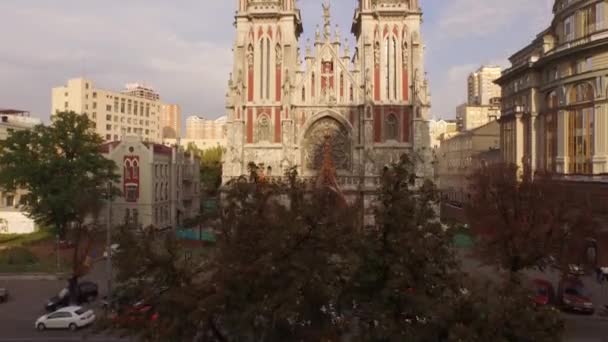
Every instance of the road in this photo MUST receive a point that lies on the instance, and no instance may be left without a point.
(585, 329)
(26, 304)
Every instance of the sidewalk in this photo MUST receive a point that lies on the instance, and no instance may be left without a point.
(32, 276)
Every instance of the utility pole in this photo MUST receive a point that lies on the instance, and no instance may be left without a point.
(108, 243)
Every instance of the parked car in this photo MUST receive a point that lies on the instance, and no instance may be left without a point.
(3, 295)
(87, 292)
(114, 248)
(574, 297)
(71, 317)
(66, 244)
(140, 313)
(543, 292)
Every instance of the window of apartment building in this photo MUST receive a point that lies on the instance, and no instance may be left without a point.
(599, 15)
(141, 122)
(94, 105)
(86, 85)
(569, 28)
(131, 193)
(66, 94)
(109, 117)
(66, 105)
(10, 200)
(581, 93)
(94, 95)
(108, 108)
(108, 137)
(94, 115)
(581, 124)
(122, 106)
(116, 137)
(147, 110)
(129, 108)
(147, 131)
(109, 127)
(128, 129)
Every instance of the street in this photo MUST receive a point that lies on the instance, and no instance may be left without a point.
(26, 304)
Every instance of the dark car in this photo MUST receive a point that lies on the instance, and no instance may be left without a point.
(87, 292)
(3, 295)
(542, 292)
(574, 297)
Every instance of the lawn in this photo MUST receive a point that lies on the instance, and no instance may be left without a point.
(30, 253)
(14, 240)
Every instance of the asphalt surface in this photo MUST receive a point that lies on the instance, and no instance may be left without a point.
(28, 296)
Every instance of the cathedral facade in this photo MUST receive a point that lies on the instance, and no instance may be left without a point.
(370, 102)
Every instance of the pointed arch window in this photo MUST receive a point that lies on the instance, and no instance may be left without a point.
(263, 129)
(392, 130)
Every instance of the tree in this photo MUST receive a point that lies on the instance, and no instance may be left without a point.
(65, 176)
(521, 222)
(211, 167)
(292, 264)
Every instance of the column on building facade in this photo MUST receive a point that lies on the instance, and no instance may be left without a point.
(519, 142)
(562, 160)
(600, 135)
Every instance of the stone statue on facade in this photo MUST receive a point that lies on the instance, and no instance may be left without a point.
(327, 20)
(368, 84)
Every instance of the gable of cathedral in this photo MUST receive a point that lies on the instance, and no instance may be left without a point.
(284, 106)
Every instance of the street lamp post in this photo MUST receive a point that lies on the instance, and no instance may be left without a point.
(108, 243)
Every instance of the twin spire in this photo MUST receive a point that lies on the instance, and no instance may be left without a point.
(327, 19)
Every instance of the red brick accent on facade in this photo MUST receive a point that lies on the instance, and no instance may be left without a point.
(249, 125)
(406, 86)
(250, 83)
(377, 125)
(278, 83)
(406, 125)
(377, 82)
(131, 177)
(277, 125)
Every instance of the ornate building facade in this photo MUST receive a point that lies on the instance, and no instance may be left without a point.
(284, 104)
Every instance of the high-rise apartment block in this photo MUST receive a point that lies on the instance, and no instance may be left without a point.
(481, 88)
(133, 112)
(199, 128)
(171, 121)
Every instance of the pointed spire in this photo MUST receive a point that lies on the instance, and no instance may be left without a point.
(327, 19)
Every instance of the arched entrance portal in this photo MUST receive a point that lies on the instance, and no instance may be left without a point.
(327, 128)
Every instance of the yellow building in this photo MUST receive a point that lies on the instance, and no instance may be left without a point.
(554, 101)
(134, 112)
(481, 87)
(12, 220)
(469, 117)
(459, 157)
(171, 121)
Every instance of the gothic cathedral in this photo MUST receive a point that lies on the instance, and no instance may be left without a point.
(283, 104)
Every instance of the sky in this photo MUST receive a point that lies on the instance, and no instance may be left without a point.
(182, 48)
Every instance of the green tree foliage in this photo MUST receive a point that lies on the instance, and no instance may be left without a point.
(292, 263)
(211, 167)
(62, 169)
(520, 222)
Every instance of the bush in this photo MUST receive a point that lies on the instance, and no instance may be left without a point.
(17, 256)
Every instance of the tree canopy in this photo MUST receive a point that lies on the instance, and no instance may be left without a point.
(293, 263)
(63, 172)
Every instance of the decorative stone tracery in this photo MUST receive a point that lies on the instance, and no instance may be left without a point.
(339, 138)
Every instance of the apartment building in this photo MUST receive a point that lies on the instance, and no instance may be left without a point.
(438, 129)
(134, 112)
(469, 117)
(171, 121)
(481, 87)
(160, 184)
(554, 111)
(459, 157)
(12, 220)
(554, 101)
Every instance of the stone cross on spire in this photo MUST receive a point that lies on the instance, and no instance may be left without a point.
(327, 18)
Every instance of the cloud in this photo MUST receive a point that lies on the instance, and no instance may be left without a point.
(466, 18)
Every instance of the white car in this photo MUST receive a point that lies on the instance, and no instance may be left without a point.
(114, 248)
(71, 317)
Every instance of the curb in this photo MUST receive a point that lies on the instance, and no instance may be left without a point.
(32, 276)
